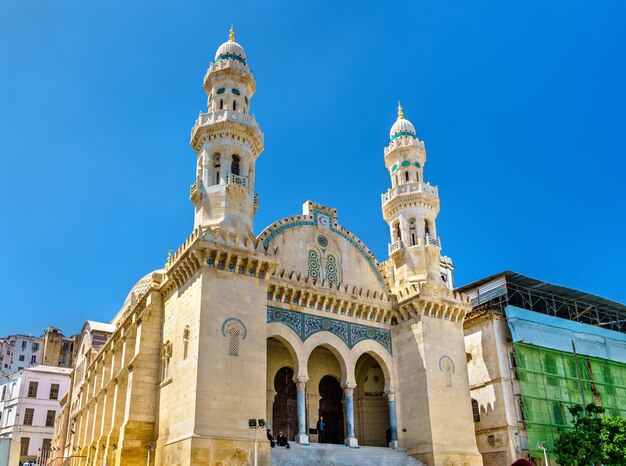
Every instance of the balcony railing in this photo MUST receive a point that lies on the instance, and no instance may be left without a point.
(225, 115)
(432, 241)
(238, 180)
(410, 188)
(396, 246)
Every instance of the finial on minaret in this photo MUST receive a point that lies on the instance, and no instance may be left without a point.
(400, 114)
(169, 259)
(231, 36)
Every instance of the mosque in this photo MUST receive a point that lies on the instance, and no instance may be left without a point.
(298, 322)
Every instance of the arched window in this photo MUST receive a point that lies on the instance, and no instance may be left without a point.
(166, 354)
(396, 231)
(475, 410)
(234, 166)
(233, 341)
(417, 176)
(406, 176)
(313, 264)
(217, 165)
(426, 228)
(412, 232)
(234, 105)
(332, 269)
(221, 104)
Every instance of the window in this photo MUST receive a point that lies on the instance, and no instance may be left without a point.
(417, 176)
(406, 176)
(24, 345)
(45, 446)
(50, 418)
(166, 355)
(313, 264)
(332, 269)
(33, 359)
(426, 228)
(557, 411)
(29, 413)
(22, 357)
(233, 341)
(396, 231)
(550, 367)
(4, 392)
(32, 389)
(63, 359)
(24, 443)
(412, 232)
(35, 346)
(216, 167)
(475, 410)
(66, 346)
(234, 105)
(54, 391)
(234, 166)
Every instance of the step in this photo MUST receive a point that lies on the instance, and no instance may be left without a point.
(339, 455)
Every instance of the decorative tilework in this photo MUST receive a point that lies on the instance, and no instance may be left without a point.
(230, 55)
(306, 325)
(313, 223)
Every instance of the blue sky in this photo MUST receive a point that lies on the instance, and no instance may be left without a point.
(522, 106)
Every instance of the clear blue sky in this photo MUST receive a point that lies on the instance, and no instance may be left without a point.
(522, 106)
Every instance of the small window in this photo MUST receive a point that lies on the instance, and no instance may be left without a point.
(236, 92)
(35, 346)
(33, 359)
(406, 176)
(50, 415)
(24, 345)
(234, 105)
(313, 264)
(32, 389)
(233, 341)
(22, 357)
(417, 176)
(426, 228)
(185, 342)
(475, 410)
(54, 391)
(29, 413)
(234, 166)
(221, 104)
(413, 232)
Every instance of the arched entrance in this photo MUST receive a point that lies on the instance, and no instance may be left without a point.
(371, 408)
(285, 409)
(331, 408)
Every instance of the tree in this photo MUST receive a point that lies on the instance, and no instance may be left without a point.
(593, 440)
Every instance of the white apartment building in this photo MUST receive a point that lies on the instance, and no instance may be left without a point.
(19, 352)
(29, 403)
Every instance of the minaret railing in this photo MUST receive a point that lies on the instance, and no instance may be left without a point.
(395, 246)
(238, 180)
(432, 241)
(408, 188)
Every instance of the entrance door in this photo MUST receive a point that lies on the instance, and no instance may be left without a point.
(332, 409)
(285, 409)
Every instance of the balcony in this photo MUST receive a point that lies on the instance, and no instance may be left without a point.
(256, 203)
(432, 241)
(395, 247)
(220, 116)
(237, 180)
(409, 188)
(195, 191)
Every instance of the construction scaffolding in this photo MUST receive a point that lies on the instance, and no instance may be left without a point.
(549, 384)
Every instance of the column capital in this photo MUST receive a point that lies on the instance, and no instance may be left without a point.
(349, 385)
(302, 378)
(391, 395)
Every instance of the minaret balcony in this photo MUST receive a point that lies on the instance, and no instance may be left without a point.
(223, 116)
(432, 241)
(237, 180)
(408, 188)
(195, 191)
(395, 247)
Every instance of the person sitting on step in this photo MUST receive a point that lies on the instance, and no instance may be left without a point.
(282, 440)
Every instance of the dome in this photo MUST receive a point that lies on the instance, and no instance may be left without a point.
(137, 292)
(402, 127)
(231, 49)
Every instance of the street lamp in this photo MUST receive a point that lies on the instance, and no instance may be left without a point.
(256, 424)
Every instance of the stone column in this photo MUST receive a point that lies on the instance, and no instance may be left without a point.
(348, 391)
(393, 420)
(302, 436)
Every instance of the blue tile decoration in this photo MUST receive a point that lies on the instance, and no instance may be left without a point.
(305, 325)
(331, 222)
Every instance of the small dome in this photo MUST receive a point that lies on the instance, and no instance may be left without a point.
(402, 127)
(135, 294)
(231, 49)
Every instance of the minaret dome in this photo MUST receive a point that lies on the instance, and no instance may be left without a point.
(231, 49)
(402, 126)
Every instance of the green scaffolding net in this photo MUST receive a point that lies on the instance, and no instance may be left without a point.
(549, 384)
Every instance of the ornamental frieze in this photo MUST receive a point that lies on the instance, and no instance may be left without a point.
(305, 325)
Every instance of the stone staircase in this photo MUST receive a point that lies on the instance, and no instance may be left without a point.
(326, 454)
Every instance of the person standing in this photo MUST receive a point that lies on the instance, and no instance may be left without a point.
(321, 430)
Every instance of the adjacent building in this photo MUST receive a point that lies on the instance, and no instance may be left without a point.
(18, 352)
(29, 404)
(58, 350)
(533, 350)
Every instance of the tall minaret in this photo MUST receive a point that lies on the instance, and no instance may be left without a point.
(227, 141)
(410, 208)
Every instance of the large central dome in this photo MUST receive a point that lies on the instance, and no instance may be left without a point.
(231, 49)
